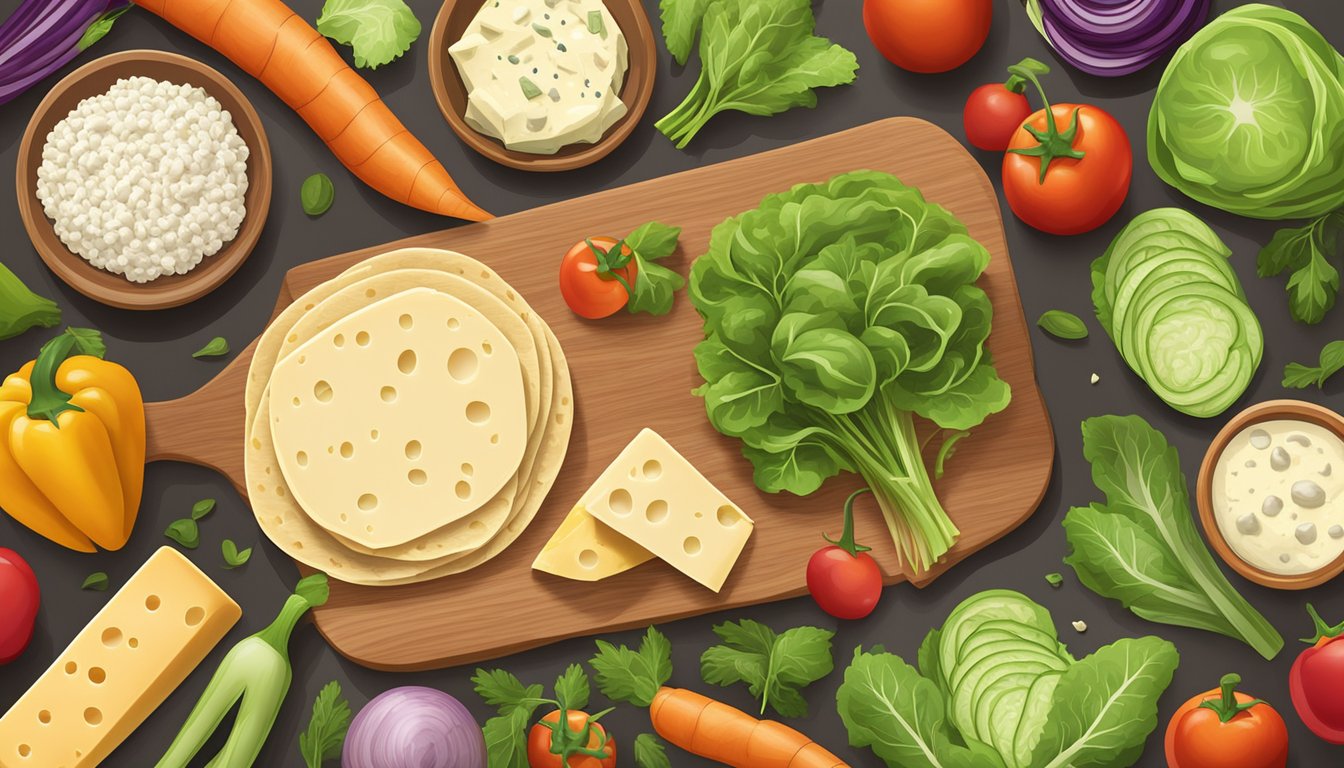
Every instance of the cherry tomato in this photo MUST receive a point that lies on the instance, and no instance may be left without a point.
(542, 736)
(19, 601)
(589, 291)
(993, 114)
(1317, 679)
(1078, 193)
(928, 35)
(843, 578)
(1224, 727)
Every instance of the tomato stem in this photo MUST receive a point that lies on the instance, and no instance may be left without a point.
(1017, 83)
(1051, 144)
(566, 741)
(1226, 705)
(1323, 631)
(607, 264)
(846, 541)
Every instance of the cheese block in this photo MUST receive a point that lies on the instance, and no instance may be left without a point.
(120, 668)
(400, 418)
(586, 550)
(653, 496)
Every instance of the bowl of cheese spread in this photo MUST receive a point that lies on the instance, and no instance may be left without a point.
(1271, 494)
(542, 85)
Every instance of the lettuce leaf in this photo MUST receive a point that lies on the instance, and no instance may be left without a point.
(379, 31)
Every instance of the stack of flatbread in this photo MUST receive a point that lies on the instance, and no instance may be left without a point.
(405, 420)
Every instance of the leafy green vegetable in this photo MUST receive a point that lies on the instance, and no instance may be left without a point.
(202, 508)
(757, 56)
(95, 581)
(775, 667)
(681, 21)
(1064, 325)
(1055, 579)
(317, 194)
(834, 314)
(1168, 297)
(1141, 547)
(88, 342)
(184, 532)
(650, 753)
(654, 284)
(379, 31)
(326, 727)
(506, 734)
(233, 557)
(21, 309)
(572, 688)
(100, 27)
(1265, 141)
(216, 347)
(633, 676)
(1299, 376)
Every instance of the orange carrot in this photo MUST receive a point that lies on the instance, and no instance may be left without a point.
(273, 44)
(714, 730)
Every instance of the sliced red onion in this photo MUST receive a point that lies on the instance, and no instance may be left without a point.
(414, 727)
(1116, 37)
(40, 37)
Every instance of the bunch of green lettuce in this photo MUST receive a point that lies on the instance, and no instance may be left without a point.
(834, 314)
(996, 689)
(756, 56)
(1249, 118)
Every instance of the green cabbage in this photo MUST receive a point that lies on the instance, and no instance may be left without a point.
(834, 314)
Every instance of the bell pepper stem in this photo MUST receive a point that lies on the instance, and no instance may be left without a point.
(48, 401)
(1226, 705)
(846, 541)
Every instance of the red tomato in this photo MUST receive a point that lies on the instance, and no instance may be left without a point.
(1316, 680)
(928, 35)
(542, 736)
(1252, 736)
(586, 289)
(843, 578)
(1078, 194)
(19, 601)
(993, 114)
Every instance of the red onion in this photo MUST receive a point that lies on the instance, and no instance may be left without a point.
(414, 727)
(41, 36)
(1116, 37)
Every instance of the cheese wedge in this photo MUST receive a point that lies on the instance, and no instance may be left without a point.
(653, 496)
(586, 550)
(120, 668)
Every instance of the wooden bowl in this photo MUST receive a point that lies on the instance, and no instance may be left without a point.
(451, 93)
(1266, 411)
(95, 78)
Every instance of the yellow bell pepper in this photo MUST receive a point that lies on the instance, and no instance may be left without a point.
(72, 448)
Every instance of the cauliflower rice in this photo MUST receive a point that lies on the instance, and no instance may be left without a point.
(145, 180)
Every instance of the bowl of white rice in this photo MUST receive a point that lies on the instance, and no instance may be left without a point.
(144, 179)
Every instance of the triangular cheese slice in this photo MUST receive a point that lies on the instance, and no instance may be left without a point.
(586, 550)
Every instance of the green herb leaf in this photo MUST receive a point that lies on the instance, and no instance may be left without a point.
(379, 31)
(649, 752)
(530, 89)
(88, 342)
(184, 532)
(202, 508)
(1064, 325)
(100, 27)
(1299, 376)
(775, 667)
(655, 285)
(317, 194)
(233, 557)
(96, 581)
(572, 688)
(1307, 251)
(506, 738)
(633, 676)
(500, 689)
(216, 347)
(681, 21)
(1054, 579)
(326, 727)
(21, 309)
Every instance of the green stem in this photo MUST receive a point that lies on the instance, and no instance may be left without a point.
(1323, 631)
(846, 541)
(1226, 704)
(1017, 83)
(48, 401)
(1050, 143)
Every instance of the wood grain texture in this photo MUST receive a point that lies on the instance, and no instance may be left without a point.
(636, 371)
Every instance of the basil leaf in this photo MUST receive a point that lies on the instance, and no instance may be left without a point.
(1063, 325)
(88, 342)
(233, 557)
(184, 532)
(216, 347)
(317, 194)
(99, 28)
(96, 581)
(202, 508)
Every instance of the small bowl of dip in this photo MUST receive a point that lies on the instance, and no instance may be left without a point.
(1271, 494)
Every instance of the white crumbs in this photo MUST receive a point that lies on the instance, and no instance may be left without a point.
(1080, 626)
(145, 180)
(1095, 378)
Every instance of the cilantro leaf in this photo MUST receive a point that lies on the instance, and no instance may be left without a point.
(572, 688)
(500, 689)
(654, 284)
(326, 727)
(233, 557)
(506, 738)
(649, 752)
(681, 20)
(774, 667)
(379, 31)
(1301, 376)
(88, 342)
(633, 676)
(184, 532)
(1307, 251)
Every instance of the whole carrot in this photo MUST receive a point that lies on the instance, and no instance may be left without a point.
(282, 50)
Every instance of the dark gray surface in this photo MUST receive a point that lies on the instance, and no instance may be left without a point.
(1052, 273)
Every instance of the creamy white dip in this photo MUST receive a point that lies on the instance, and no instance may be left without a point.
(542, 74)
(1278, 496)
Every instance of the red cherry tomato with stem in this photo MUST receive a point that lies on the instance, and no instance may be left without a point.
(1225, 727)
(1317, 678)
(596, 277)
(19, 600)
(578, 742)
(995, 111)
(843, 578)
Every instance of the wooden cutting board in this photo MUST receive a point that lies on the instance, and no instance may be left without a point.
(637, 371)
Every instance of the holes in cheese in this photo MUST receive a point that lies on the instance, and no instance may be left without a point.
(584, 549)
(424, 393)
